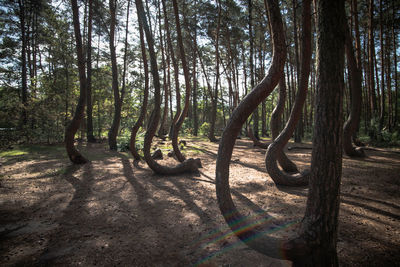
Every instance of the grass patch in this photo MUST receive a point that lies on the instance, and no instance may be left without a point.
(13, 153)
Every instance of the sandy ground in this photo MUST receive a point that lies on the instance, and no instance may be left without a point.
(114, 211)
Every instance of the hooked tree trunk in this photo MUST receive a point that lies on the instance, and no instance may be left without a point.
(286, 164)
(139, 122)
(275, 150)
(315, 244)
(189, 165)
(72, 128)
(351, 125)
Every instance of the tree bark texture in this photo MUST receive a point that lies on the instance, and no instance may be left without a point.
(139, 122)
(316, 243)
(214, 96)
(319, 225)
(177, 126)
(73, 127)
(113, 132)
(351, 125)
(89, 111)
(286, 164)
(265, 244)
(279, 143)
(190, 165)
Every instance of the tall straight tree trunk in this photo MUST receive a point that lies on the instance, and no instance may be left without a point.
(72, 128)
(371, 56)
(252, 83)
(161, 130)
(394, 39)
(382, 58)
(214, 96)
(194, 98)
(113, 132)
(297, 133)
(143, 109)
(89, 111)
(24, 84)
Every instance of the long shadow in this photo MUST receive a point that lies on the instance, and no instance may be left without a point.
(56, 246)
(298, 192)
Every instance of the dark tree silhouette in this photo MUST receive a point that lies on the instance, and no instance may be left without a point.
(139, 122)
(72, 128)
(275, 150)
(315, 243)
(351, 125)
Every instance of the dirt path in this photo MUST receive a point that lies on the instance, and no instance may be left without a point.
(117, 212)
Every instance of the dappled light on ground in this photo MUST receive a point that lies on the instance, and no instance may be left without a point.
(116, 211)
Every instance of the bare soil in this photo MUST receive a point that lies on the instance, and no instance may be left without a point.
(114, 211)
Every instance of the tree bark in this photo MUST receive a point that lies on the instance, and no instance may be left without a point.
(139, 122)
(382, 58)
(182, 116)
(176, 69)
(89, 111)
(24, 84)
(72, 128)
(286, 164)
(275, 150)
(161, 131)
(113, 132)
(351, 125)
(190, 165)
(316, 243)
(214, 96)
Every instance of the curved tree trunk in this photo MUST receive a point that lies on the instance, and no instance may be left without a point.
(89, 111)
(189, 165)
(279, 143)
(256, 142)
(351, 125)
(176, 69)
(316, 243)
(113, 132)
(177, 126)
(139, 122)
(286, 164)
(72, 128)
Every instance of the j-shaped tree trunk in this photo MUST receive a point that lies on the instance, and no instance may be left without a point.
(72, 128)
(177, 126)
(189, 165)
(275, 149)
(176, 69)
(315, 243)
(139, 122)
(351, 125)
(286, 164)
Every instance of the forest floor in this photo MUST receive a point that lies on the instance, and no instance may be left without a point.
(114, 211)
